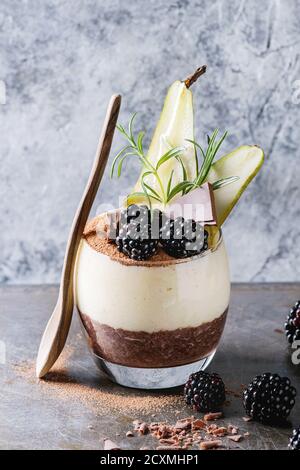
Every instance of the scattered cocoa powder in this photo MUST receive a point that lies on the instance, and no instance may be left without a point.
(233, 393)
(106, 397)
(101, 397)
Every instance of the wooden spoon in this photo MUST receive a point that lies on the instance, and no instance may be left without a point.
(57, 329)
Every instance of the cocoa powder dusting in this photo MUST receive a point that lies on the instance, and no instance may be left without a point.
(101, 397)
(93, 235)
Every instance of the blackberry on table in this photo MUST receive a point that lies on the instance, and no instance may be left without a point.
(269, 398)
(292, 324)
(295, 440)
(182, 238)
(204, 391)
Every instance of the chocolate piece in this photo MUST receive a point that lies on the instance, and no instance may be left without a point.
(168, 447)
(164, 432)
(165, 348)
(110, 445)
(212, 428)
(232, 429)
(236, 438)
(220, 432)
(279, 330)
(143, 428)
(198, 205)
(198, 424)
(136, 422)
(207, 445)
(168, 441)
(212, 416)
(153, 426)
(183, 425)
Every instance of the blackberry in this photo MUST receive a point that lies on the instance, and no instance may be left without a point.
(182, 238)
(269, 398)
(295, 440)
(292, 324)
(204, 391)
(134, 236)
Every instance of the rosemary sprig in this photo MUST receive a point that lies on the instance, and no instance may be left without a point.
(165, 195)
(213, 146)
(135, 148)
(224, 182)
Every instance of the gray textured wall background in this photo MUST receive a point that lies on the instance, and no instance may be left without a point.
(61, 60)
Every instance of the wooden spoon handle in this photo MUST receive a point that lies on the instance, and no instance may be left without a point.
(85, 205)
(57, 329)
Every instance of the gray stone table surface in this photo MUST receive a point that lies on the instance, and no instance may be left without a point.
(75, 408)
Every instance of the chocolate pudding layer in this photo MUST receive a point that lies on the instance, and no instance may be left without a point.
(163, 348)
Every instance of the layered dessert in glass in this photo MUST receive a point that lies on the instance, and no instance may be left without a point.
(158, 313)
(152, 282)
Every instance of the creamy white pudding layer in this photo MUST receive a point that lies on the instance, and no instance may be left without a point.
(142, 298)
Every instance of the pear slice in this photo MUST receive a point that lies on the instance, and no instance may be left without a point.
(175, 127)
(176, 124)
(243, 162)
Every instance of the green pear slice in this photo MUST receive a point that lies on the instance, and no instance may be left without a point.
(243, 162)
(175, 125)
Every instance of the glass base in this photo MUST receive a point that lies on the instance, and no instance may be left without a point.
(151, 379)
